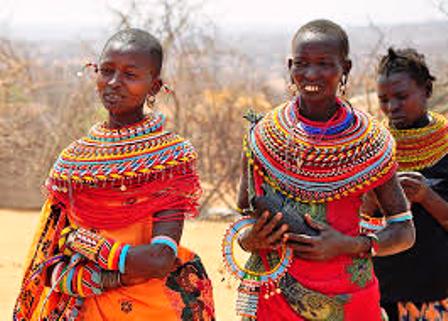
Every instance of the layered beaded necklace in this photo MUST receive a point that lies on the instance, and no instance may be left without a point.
(422, 147)
(319, 162)
(119, 157)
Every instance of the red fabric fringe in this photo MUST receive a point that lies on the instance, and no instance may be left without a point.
(111, 208)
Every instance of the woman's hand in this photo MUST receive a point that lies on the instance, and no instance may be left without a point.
(414, 186)
(328, 244)
(264, 235)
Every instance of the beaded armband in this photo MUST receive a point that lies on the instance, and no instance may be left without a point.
(109, 254)
(82, 280)
(374, 245)
(369, 224)
(400, 217)
(165, 240)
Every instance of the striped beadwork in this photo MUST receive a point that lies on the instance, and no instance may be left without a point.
(107, 253)
(422, 147)
(112, 157)
(319, 162)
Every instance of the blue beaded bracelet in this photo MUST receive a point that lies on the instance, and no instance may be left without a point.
(122, 259)
(165, 240)
(401, 217)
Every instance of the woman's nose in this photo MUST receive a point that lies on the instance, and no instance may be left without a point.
(311, 73)
(114, 79)
(394, 106)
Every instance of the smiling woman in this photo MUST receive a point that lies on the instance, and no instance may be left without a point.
(316, 155)
(108, 244)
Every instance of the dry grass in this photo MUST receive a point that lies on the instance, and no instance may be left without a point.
(17, 230)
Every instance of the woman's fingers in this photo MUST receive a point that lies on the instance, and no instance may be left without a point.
(301, 239)
(270, 226)
(277, 235)
(261, 221)
(414, 175)
(314, 224)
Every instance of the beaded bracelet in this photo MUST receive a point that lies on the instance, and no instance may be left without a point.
(370, 224)
(400, 217)
(109, 254)
(82, 280)
(374, 245)
(165, 240)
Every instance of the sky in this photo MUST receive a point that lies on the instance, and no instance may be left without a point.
(74, 17)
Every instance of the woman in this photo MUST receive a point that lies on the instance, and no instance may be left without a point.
(419, 291)
(107, 247)
(318, 155)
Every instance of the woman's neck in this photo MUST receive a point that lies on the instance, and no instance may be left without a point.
(318, 111)
(125, 120)
(421, 122)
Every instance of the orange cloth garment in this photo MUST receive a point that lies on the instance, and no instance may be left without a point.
(152, 300)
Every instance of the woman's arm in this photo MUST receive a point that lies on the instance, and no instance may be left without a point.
(265, 234)
(417, 191)
(243, 189)
(76, 276)
(155, 260)
(136, 263)
(396, 237)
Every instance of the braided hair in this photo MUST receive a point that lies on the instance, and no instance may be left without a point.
(407, 60)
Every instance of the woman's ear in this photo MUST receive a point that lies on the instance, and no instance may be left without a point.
(428, 88)
(156, 86)
(347, 66)
(289, 63)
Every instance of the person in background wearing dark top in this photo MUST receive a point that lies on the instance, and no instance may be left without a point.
(414, 283)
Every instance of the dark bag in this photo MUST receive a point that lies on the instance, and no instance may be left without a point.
(292, 218)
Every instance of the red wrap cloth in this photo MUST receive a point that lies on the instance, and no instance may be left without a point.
(112, 208)
(330, 277)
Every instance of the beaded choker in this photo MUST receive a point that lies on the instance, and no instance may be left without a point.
(320, 162)
(422, 147)
(120, 157)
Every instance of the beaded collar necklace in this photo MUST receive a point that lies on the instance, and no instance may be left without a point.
(308, 163)
(120, 157)
(420, 148)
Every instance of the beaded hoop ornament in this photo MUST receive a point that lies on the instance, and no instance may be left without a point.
(252, 281)
(239, 271)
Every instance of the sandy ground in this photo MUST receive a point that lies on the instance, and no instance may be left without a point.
(17, 230)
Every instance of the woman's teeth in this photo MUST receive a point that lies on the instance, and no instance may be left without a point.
(311, 88)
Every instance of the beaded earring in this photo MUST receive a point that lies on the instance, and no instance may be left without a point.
(343, 85)
(150, 101)
(88, 65)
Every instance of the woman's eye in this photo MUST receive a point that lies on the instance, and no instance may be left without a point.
(325, 63)
(130, 75)
(299, 63)
(106, 71)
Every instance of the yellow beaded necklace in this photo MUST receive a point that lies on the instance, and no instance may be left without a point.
(422, 147)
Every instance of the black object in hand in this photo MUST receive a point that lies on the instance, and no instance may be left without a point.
(294, 220)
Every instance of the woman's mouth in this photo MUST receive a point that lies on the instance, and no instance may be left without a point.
(311, 88)
(112, 98)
